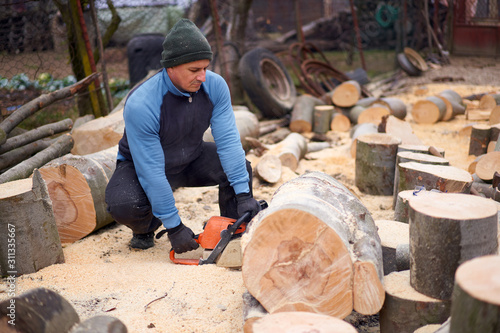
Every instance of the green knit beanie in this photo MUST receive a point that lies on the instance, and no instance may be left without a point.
(184, 43)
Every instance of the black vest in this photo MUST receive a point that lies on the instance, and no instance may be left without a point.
(182, 125)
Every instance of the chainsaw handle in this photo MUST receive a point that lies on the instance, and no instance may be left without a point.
(182, 261)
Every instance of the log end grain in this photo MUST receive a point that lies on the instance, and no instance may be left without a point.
(425, 112)
(487, 164)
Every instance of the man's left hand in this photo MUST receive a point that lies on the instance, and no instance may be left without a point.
(247, 203)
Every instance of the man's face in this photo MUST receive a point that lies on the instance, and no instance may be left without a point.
(189, 77)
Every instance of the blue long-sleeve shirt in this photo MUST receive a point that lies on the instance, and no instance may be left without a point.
(145, 139)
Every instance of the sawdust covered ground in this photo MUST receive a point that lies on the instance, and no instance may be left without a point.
(148, 293)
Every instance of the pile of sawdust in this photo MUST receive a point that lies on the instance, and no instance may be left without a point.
(149, 293)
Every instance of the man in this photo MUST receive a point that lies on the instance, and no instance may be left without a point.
(162, 147)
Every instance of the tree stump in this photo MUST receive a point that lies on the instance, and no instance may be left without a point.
(302, 114)
(487, 165)
(408, 156)
(405, 309)
(475, 304)
(322, 118)
(392, 234)
(359, 130)
(315, 248)
(296, 321)
(440, 177)
(346, 94)
(429, 110)
(479, 139)
(27, 218)
(375, 163)
(450, 228)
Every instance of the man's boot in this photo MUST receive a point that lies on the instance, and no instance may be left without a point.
(142, 241)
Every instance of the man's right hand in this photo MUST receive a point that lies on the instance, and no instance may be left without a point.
(182, 239)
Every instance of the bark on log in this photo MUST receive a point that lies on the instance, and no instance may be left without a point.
(476, 298)
(395, 105)
(479, 139)
(77, 186)
(401, 210)
(9, 123)
(268, 169)
(375, 163)
(359, 130)
(275, 137)
(27, 217)
(291, 150)
(429, 110)
(315, 248)
(448, 114)
(60, 147)
(36, 134)
(421, 149)
(39, 310)
(340, 122)
(440, 177)
(354, 113)
(400, 129)
(392, 234)
(302, 115)
(450, 228)
(295, 321)
(346, 94)
(486, 190)
(407, 156)
(405, 309)
(18, 155)
(487, 165)
(82, 120)
(322, 116)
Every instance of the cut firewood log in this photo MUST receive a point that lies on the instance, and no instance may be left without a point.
(487, 165)
(395, 105)
(401, 210)
(392, 234)
(354, 113)
(322, 115)
(429, 110)
(422, 149)
(315, 248)
(454, 100)
(405, 309)
(373, 114)
(27, 214)
(452, 96)
(82, 120)
(16, 156)
(36, 134)
(77, 186)
(408, 156)
(340, 122)
(400, 129)
(479, 139)
(9, 123)
(475, 304)
(486, 190)
(439, 177)
(268, 168)
(302, 115)
(489, 101)
(291, 150)
(448, 114)
(494, 115)
(450, 228)
(346, 94)
(495, 132)
(271, 125)
(60, 147)
(298, 321)
(279, 135)
(359, 130)
(38, 310)
(375, 163)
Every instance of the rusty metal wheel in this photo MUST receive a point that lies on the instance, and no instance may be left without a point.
(267, 82)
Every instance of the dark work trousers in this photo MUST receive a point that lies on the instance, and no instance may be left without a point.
(128, 204)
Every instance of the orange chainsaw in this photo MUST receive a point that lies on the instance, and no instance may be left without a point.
(217, 233)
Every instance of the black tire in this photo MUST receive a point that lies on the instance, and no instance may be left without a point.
(407, 66)
(267, 82)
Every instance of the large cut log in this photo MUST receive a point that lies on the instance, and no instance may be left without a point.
(479, 139)
(487, 165)
(36, 134)
(449, 228)
(346, 94)
(315, 248)
(429, 110)
(20, 154)
(24, 169)
(375, 163)
(27, 218)
(439, 177)
(405, 309)
(295, 321)
(392, 234)
(9, 123)
(77, 186)
(475, 306)
(302, 115)
(38, 310)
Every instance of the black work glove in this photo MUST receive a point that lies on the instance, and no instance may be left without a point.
(182, 239)
(246, 203)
